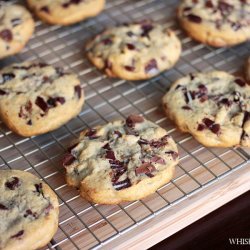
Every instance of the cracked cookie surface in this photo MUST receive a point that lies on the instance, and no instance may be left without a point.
(216, 22)
(135, 51)
(66, 12)
(36, 98)
(214, 107)
(28, 210)
(123, 160)
(16, 28)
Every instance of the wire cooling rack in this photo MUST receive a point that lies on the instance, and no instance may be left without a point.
(83, 225)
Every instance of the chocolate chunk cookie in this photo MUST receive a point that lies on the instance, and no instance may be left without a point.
(28, 210)
(66, 12)
(214, 107)
(36, 98)
(16, 28)
(135, 51)
(218, 23)
(121, 161)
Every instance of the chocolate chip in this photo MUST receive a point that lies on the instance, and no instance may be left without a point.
(151, 67)
(201, 127)
(160, 143)
(28, 212)
(226, 102)
(20, 233)
(122, 184)
(45, 9)
(245, 118)
(29, 122)
(194, 18)
(53, 101)
(129, 68)
(91, 134)
(41, 104)
(68, 159)
(240, 82)
(12, 185)
(2, 92)
(118, 133)
(208, 122)
(146, 28)
(215, 128)
(130, 46)
(6, 35)
(145, 168)
(211, 125)
(15, 22)
(2, 207)
(78, 91)
(110, 155)
(174, 154)
(133, 119)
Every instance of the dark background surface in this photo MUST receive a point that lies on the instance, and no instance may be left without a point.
(214, 230)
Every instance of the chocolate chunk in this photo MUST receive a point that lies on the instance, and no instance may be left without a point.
(78, 91)
(122, 184)
(240, 82)
(6, 35)
(118, 133)
(68, 159)
(29, 122)
(194, 18)
(209, 4)
(145, 168)
(160, 143)
(110, 155)
(226, 102)
(107, 41)
(208, 122)
(215, 128)
(41, 104)
(39, 188)
(2, 92)
(28, 212)
(174, 154)
(2, 207)
(15, 22)
(7, 77)
(245, 118)
(130, 46)
(133, 119)
(25, 110)
(130, 33)
(53, 101)
(20, 233)
(186, 107)
(129, 68)
(151, 67)
(157, 159)
(12, 185)
(45, 9)
(146, 28)
(201, 127)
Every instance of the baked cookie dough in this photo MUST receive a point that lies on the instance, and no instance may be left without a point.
(36, 98)
(214, 107)
(121, 161)
(66, 12)
(28, 210)
(135, 51)
(218, 23)
(16, 28)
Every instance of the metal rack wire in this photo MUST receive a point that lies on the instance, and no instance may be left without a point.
(84, 225)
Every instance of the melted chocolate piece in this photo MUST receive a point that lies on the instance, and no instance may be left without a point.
(160, 143)
(151, 67)
(39, 188)
(20, 233)
(25, 110)
(2, 207)
(194, 18)
(78, 91)
(66, 5)
(12, 185)
(145, 168)
(211, 125)
(226, 102)
(30, 213)
(6, 35)
(245, 118)
(186, 107)
(208, 122)
(209, 4)
(201, 127)
(68, 159)
(42, 104)
(41, 65)
(29, 122)
(157, 159)
(110, 155)
(53, 101)
(146, 28)
(215, 128)
(122, 184)
(129, 68)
